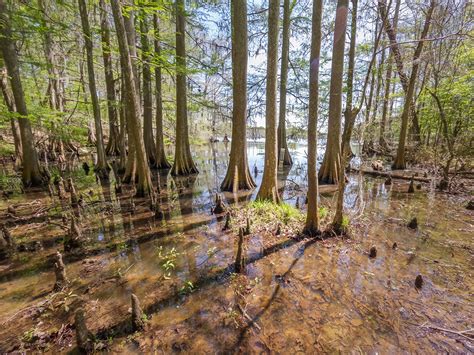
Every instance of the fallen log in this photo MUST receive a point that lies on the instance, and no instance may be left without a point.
(326, 189)
(403, 175)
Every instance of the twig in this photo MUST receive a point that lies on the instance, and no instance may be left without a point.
(457, 332)
(252, 322)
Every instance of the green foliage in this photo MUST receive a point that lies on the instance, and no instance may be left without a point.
(323, 212)
(187, 288)
(345, 222)
(10, 183)
(6, 148)
(167, 260)
(267, 211)
(454, 89)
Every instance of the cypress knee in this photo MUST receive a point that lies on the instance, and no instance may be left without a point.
(60, 272)
(239, 262)
(83, 336)
(138, 322)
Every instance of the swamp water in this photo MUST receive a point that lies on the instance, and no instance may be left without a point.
(296, 294)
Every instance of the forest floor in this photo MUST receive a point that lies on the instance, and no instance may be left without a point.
(294, 294)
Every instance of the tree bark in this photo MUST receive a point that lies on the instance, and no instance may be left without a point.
(161, 161)
(238, 175)
(285, 51)
(312, 215)
(268, 188)
(349, 120)
(131, 164)
(147, 95)
(183, 161)
(329, 172)
(368, 109)
(32, 175)
(55, 98)
(378, 89)
(101, 167)
(10, 103)
(144, 185)
(388, 84)
(113, 146)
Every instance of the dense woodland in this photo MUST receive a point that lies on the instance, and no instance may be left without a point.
(134, 89)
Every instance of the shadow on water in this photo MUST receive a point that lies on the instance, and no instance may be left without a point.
(346, 286)
(123, 328)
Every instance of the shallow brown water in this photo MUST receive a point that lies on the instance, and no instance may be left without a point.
(296, 295)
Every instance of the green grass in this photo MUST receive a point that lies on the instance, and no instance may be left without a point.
(323, 212)
(6, 148)
(267, 211)
(345, 222)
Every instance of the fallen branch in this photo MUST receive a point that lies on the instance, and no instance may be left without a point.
(392, 174)
(457, 332)
(252, 322)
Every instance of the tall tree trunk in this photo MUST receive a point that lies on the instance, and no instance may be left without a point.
(131, 165)
(388, 84)
(55, 99)
(268, 188)
(123, 133)
(101, 167)
(183, 161)
(329, 172)
(238, 175)
(408, 106)
(285, 52)
(383, 122)
(312, 216)
(147, 95)
(349, 120)
(32, 175)
(144, 185)
(10, 103)
(161, 161)
(376, 105)
(55, 89)
(113, 147)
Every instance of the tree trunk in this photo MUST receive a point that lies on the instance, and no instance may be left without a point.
(144, 185)
(10, 103)
(388, 84)
(54, 97)
(113, 147)
(238, 175)
(161, 161)
(147, 95)
(32, 173)
(329, 172)
(131, 165)
(268, 188)
(312, 216)
(368, 109)
(349, 120)
(183, 161)
(408, 105)
(101, 168)
(123, 127)
(378, 89)
(285, 51)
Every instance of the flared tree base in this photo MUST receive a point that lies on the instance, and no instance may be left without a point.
(312, 231)
(268, 194)
(183, 167)
(232, 182)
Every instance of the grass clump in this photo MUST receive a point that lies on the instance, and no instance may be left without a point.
(6, 148)
(266, 211)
